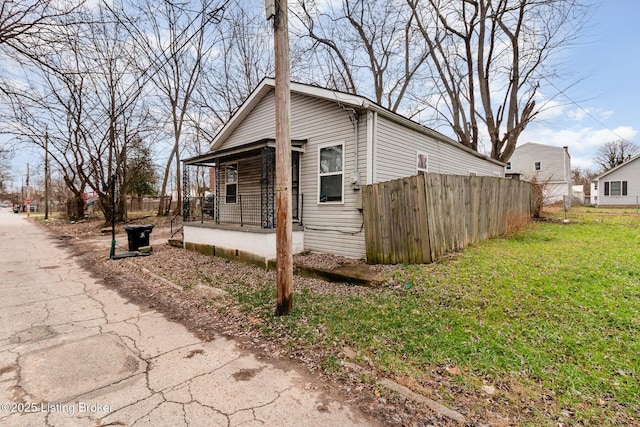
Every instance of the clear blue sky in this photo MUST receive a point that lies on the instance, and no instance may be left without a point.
(606, 66)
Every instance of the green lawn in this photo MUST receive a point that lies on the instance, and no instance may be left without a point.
(548, 316)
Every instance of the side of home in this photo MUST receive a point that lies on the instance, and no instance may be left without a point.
(619, 186)
(339, 143)
(546, 165)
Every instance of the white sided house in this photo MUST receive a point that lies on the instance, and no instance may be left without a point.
(620, 186)
(546, 165)
(339, 142)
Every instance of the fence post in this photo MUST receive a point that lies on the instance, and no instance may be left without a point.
(241, 216)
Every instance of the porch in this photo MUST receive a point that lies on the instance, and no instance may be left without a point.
(235, 217)
(242, 186)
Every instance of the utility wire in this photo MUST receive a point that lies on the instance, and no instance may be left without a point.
(561, 91)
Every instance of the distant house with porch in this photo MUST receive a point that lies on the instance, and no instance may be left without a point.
(619, 187)
(546, 165)
(339, 142)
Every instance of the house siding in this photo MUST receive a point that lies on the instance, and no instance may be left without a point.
(329, 228)
(249, 171)
(555, 168)
(386, 146)
(630, 173)
(396, 155)
(258, 125)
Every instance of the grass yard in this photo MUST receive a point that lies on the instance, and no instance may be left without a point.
(539, 328)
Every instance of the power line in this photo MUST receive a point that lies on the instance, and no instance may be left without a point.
(586, 111)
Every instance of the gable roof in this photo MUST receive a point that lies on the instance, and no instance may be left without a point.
(343, 98)
(634, 158)
(545, 146)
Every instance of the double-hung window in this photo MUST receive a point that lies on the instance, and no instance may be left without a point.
(330, 173)
(231, 182)
(615, 188)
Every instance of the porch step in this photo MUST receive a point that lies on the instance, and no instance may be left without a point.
(176, 243)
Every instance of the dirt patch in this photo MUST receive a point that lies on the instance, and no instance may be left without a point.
(246, 374)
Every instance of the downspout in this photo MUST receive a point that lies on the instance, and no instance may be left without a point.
(567, 176)
(355, 176)
(371, 136)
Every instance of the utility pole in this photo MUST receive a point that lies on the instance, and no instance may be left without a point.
(28, 193)
(278, 9)
(46, 175)
(112, 184)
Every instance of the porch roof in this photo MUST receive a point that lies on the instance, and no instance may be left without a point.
(243, 151)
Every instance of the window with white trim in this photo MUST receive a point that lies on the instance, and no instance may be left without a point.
(331, 173)
(615, 188)
(422, 162)
(231, 182)
(537, 166)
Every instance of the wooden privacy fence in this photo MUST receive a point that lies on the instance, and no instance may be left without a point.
(418, 219)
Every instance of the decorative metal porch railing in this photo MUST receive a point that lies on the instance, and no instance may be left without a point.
(248, 210)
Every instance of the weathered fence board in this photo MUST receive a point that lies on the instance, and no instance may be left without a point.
(420, 218)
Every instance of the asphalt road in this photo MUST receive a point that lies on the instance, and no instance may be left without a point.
(74, 353)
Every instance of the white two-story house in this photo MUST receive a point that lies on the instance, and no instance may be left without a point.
(546, 165)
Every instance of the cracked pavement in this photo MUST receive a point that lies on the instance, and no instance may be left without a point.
(75, 353)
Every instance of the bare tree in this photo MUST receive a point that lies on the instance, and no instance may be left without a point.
(179, 40)
(615, 153)
(581, 176)
(26, 28)
(88, 107)
(29, 23)
(53, 109)
(119, 115)
(5, 169)
(366, 44)
(489, 58)
(228, 79)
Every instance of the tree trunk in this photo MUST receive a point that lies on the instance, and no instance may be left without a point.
(77, 206)
(178, 184)
(165, 181)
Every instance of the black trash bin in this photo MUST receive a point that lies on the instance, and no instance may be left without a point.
(138, 235)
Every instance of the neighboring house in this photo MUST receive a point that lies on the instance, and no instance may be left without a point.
(578, 193)
(593, 200)
(619, 186)
(546, 165)
(339, 142)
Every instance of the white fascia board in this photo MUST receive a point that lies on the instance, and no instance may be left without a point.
(264, 88)
(330, 95)
(618, 167)
(256, 96)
